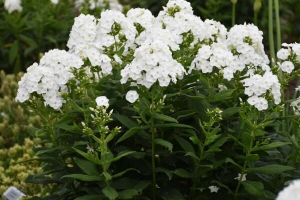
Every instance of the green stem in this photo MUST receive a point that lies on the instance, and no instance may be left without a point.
(255, 18)
(153, 164)
(233, 14)
(271, 35)
(278, 28)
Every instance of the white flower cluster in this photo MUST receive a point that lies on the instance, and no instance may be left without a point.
(290, 55)
(291, 192)
(93, 4)
(257, 86)
(49, 78)
(152, 63)
(13, 5)
(240, 49)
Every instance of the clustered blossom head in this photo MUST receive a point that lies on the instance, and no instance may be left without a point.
(13, 5)
(290, 56)
(151, 63)
(49, 78)
(292, 191)
(257, 86)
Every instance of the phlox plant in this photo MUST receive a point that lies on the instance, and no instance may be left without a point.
(166, 107)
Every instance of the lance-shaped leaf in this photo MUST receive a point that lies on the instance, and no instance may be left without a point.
(253, 187)
(84, 177)
(270, 146)
(131, 132)
(270, 169)
(164, 118)
(164, 143)
(87, 166)
(89, 157)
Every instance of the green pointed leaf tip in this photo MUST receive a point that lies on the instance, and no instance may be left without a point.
(164, 118)
(128, 194)
(254, 188)
(131, 132)
(164, 143)
(183, 173)
(270, 146)
(110, 192)
(87, 166)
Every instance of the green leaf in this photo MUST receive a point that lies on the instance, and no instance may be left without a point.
(84, 177)
(122, 154)
(219, 143)
(89, 157)
(172, 194)
(166, 171)
(110, 193)
(164, 118)
(131, 132)
(164, 143)
(27, 40)
(107, 176)
(230, 111)
(225, 94)
(13, 52)
(126, 121)
(229, 160)
(193, 155)
(183, 173)
(87, 166)
(66, 127)
(254, 188)
(270, 169)
(173, 125)
(123, 172)
(128, 194)
(187, 147)
(270, 146)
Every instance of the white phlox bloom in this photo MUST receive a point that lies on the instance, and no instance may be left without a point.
(287, 66)
(213, 188)
(246, 42)
(152, 62)
(83, 35)
(290, 56)
(132, 96)
(183, 5)
(283, 54)
(141, 16)
(13, 5)
(49, 78)
(54, 1)
(102, 101)
(291, 192)
(256, 87)
(82, 42)
(296, 106)
(93, 4)
(110, 21)
(214, 30)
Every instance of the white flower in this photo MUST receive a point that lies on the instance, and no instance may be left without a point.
(291, 192)
(54, 1)
(239, 177)
(49, 78)
(102, 101)
(283, 54)
(13, 5)
(213, 189)
(132, 96)
(287, 66)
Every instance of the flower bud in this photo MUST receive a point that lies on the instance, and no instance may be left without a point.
(257, 5)
(234, 1)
